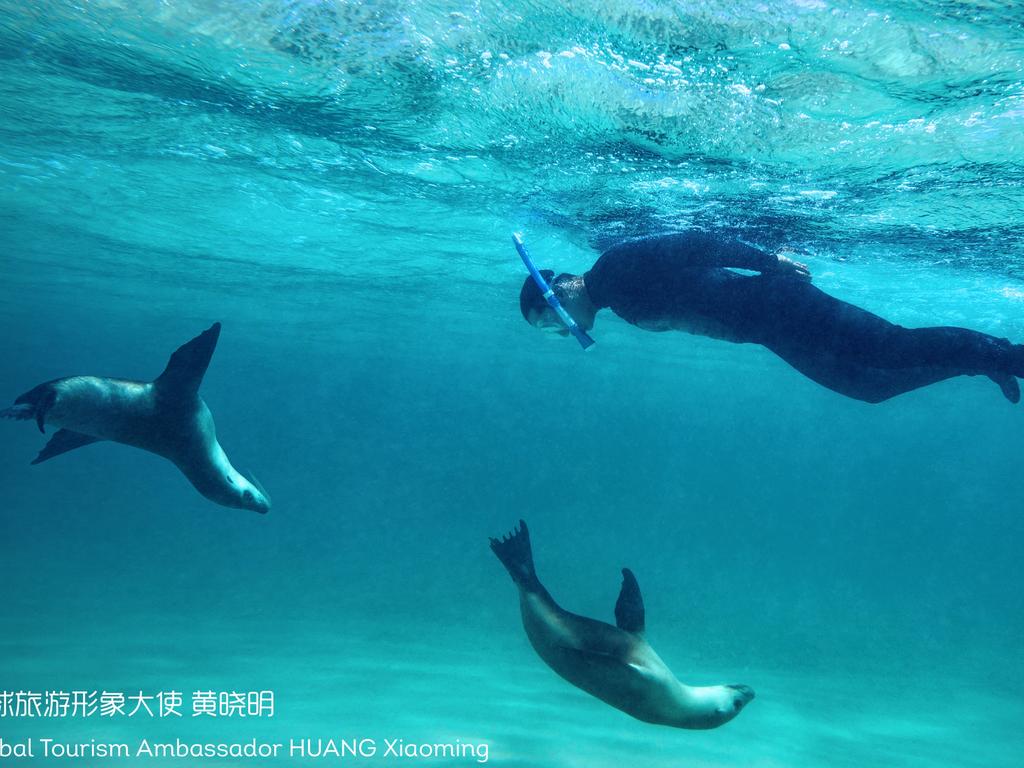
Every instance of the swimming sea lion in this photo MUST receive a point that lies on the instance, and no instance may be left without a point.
(615, 664)
(165, 416)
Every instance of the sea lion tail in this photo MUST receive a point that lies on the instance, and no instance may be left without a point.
(516, 554)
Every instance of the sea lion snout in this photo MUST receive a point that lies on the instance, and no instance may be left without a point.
(744, 695)
(257, 501)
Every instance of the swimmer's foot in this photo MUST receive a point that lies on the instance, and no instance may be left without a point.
(1015, 361)
(1009, 385)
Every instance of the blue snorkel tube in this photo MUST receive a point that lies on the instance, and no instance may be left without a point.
(549, 295)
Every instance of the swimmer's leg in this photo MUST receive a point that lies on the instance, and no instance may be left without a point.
(967, 352)
(880, 384)
(878, 360)
(871, 384)
(859, 354)
(971, 352)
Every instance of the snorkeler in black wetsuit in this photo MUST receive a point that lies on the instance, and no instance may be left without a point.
(682, 283)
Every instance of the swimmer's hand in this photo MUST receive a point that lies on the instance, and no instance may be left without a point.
(790, 268)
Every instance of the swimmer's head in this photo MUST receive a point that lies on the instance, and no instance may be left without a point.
(570, 292)
(535, 308)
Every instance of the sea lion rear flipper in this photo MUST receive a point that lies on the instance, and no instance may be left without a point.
(516, 555)
(63, 440)
(34, 404)
(21, 412)
(629, 609)
(187, 366)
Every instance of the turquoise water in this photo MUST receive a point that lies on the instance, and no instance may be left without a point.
(336, 183)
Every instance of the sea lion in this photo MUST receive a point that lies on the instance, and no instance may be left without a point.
(615, 664)
(165, 416)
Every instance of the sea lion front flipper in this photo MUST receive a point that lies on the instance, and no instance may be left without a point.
(629, 608)
(63, 440)
(187, 366)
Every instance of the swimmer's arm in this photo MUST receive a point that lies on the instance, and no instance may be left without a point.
(692, 249)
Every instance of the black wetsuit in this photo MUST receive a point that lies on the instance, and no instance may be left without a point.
(681, 282)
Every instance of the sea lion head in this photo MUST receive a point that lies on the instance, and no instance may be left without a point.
(731, 699)
(245, 494)
(715, 705)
